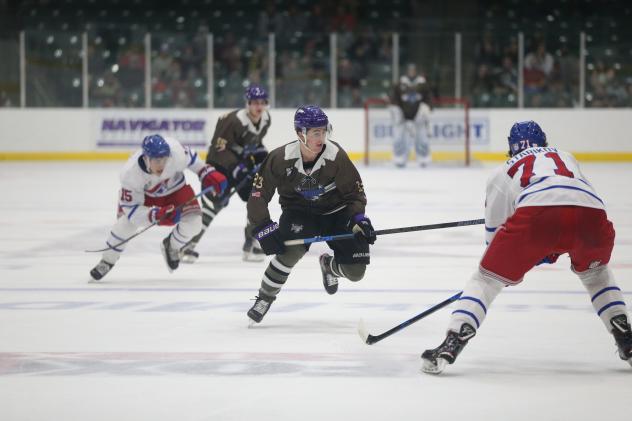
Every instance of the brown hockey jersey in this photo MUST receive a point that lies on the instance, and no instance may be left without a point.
(332, 184)
(235, 134)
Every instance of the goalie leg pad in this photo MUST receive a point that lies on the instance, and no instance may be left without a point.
(401, 145)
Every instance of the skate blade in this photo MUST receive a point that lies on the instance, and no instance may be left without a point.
(252, 324)
(94, 281)
(189, 260)
(429, 367)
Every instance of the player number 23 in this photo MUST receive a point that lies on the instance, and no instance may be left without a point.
(528, 161)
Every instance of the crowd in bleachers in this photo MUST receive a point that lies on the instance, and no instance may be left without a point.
(240, 28)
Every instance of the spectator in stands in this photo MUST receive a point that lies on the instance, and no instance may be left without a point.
(538, 65)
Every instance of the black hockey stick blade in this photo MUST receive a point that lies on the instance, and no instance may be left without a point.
(371, 339)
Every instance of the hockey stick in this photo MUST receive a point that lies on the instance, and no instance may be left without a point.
(348, 236)
(371, 339)
(175, 210)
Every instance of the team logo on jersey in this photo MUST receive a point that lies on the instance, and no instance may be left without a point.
(220, 144)
(296, 228)
(157, 189)
(310, 189)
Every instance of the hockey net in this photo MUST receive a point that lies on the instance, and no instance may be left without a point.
(448, 138)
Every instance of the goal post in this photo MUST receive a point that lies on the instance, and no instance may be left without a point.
(448, 131)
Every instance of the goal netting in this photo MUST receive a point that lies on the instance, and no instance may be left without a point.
(448, 131)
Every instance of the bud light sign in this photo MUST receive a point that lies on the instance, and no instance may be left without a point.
(444, 128)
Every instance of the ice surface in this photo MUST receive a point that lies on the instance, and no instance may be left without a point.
(149, 345)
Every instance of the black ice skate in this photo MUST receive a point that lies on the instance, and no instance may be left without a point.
(252, 250)
(172, 256)
(622, 333)
(189, 256)
(434, 360)
(260, 307)
(100, 270)
(330, 281)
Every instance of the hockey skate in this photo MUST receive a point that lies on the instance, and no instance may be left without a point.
(252, 250)
(189, 256)
(172, 256)
(330, 281)
(622, 333)
(100, 270)
(435, 360)
(260, 307)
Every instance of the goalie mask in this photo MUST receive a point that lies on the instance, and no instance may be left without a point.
(524, 135)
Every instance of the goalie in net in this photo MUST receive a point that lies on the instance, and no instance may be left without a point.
(410, 111)
(413, 123)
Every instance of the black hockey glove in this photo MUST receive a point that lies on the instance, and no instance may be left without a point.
(259, 154)
(361, 225)
(269, 238)
(240, 172)
(254, 155)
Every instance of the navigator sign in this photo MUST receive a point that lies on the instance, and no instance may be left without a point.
(124, 130)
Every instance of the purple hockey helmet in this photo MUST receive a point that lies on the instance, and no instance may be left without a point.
(309, 117)
(255, 92)
(524, 135)
(155, 146)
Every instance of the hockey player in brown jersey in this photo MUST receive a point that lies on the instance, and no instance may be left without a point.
(410, 110)
(321, 193)
(236, 148)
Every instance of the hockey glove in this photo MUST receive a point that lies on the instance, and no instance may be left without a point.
(550, 259)
(210, 177)
(164, 215)
(361, 225)
(269, 238)
(240, 172)
(254, 154)
(259, 154)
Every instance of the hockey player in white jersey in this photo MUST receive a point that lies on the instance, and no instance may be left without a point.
(539, 205)
(410, 111)
(153, 188)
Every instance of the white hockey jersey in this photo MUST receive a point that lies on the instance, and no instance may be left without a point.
(137, 182)
(539, 176)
